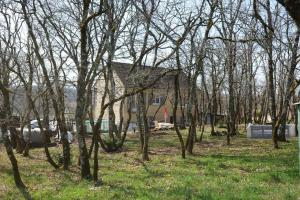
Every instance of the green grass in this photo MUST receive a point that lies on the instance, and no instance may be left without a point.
(247, 169)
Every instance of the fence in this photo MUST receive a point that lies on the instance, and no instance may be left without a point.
(265, 131)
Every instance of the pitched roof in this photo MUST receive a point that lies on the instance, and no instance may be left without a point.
(149, 74)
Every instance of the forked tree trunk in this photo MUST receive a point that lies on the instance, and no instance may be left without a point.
(80, 112)
(290, 88)
(268, 47)
(56, 105)
(271, 86)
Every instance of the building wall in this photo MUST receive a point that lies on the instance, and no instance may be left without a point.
(155, 110)
(99, 92)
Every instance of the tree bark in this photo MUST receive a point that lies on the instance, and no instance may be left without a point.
(290, 88)
(5, 116)
(145, 126)
(176, 95)
(231, 116)
(80, 113)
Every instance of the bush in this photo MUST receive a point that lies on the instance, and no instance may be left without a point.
(112, 144)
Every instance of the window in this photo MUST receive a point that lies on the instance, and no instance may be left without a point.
(158, 100)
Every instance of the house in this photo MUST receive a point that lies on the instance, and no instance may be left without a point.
(158, 97)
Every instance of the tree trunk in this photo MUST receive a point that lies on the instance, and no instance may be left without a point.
(176, 89)
(271, 75)
(145, 125)
(250, 85)
(5, 116)
(289, 89)
(96, 150)
(191, 118)
(18, 181)
(231, 116)
(140, 125)
(213, 109)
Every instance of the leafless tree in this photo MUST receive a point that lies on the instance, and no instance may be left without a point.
(8, 36)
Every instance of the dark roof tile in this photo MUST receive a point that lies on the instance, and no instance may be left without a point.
(131, 79)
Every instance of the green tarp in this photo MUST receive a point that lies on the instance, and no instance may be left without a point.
(104, 126)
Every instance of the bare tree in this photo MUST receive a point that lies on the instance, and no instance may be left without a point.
(8, 36)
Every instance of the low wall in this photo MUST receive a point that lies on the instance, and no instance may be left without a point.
(265, 131)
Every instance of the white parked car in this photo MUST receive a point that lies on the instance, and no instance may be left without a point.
(37, 138)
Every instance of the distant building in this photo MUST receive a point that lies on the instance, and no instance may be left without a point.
(158, 97)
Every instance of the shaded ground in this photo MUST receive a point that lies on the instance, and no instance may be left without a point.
(248, 169)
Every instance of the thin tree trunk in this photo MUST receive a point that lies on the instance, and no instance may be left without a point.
(82, 94)
(192, 123)
(213, 109)
(176, 89)
(231, 116)
(18, 181)
(5, 116)
(145, 126)
(140, 125)
(289, 89)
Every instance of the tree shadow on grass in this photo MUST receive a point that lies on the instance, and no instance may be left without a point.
(266, 159)
(149, 171)
(25, 193)
(32, 157)
(285, 163)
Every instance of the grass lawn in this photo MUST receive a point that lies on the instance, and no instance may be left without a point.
(247, 169)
